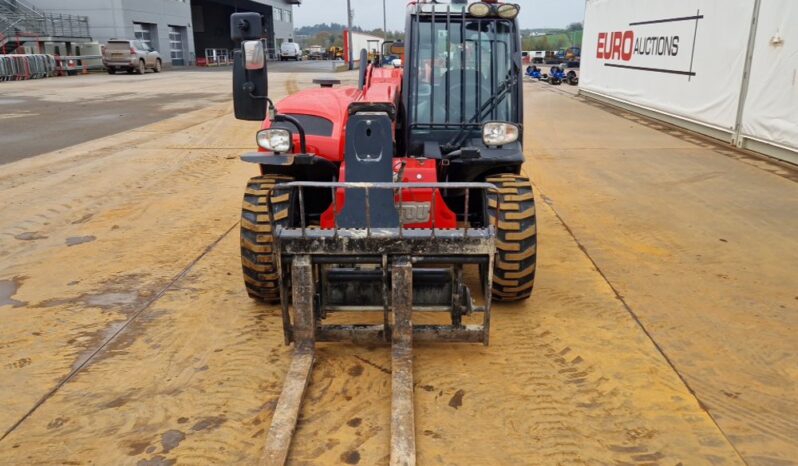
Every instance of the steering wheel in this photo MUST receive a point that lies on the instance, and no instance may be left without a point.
(456, 91)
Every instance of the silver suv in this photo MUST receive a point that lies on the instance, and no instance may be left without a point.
(130, 55)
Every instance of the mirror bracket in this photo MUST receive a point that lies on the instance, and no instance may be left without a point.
(246, 26)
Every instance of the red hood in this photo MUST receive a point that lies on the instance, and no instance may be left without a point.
(331, 104)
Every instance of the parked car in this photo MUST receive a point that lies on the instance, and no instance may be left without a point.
(131, 56)
(290, 51)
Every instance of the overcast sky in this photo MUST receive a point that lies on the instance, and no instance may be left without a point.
(368, 13)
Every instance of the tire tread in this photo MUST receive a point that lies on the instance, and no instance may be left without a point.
(516, 242)
(259, 264)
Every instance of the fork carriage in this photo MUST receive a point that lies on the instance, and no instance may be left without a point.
(394, 270)
(353, 269)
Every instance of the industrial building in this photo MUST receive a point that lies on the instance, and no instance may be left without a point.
(181, 30)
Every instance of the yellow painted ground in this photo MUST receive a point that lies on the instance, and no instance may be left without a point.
(701, 243)
(138, 345)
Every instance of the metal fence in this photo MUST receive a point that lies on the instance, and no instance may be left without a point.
(217, 57)
(21, 67)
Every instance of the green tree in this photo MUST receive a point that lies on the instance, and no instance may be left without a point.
(321, 38)
(558, 41)
(574, 27)
(536, 43)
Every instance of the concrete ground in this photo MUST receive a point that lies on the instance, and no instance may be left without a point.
(46, 115)
(661, 330)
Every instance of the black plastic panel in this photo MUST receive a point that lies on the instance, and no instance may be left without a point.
(313, 125)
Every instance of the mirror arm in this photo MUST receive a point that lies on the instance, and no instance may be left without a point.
(289, 119)
(249, 87)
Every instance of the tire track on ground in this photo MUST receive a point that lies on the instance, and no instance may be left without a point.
(147, 305)
(636, 319)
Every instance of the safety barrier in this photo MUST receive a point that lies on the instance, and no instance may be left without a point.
(21, 67)
(216, 57)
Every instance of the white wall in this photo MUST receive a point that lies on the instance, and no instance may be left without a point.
(695, 71)
(771, 109)
(684, 61)
(362, 41)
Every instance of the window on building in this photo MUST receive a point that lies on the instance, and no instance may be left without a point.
(287, 16)
(278, 14)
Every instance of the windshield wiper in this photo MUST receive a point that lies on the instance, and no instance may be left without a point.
(504, 88)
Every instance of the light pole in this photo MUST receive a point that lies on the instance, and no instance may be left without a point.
(384, 21)
(349, 25)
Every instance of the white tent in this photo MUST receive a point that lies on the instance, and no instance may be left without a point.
(726, 68)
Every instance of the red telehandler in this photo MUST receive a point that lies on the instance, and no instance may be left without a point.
(375, 198)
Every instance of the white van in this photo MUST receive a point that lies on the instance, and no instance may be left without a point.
(537, 56)
(290, 51)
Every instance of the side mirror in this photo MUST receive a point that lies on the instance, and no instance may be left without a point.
(250, 86)
(250, 80)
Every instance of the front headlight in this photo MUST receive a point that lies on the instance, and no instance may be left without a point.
(499, 134)
(275, 140)
(479, 9)
(508, 11)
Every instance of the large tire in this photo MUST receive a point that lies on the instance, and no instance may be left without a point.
(261, 276)
(142, 68)
(516, 237)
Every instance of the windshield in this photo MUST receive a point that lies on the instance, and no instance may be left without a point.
(459, 66)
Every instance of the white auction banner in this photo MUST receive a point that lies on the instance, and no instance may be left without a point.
(771, 107)
(681, 57)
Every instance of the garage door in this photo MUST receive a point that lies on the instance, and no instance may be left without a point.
(145, 32)
(176, 34)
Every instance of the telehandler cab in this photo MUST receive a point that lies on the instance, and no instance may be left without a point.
(374, 198)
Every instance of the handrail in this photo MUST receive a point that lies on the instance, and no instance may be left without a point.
(16, 23)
